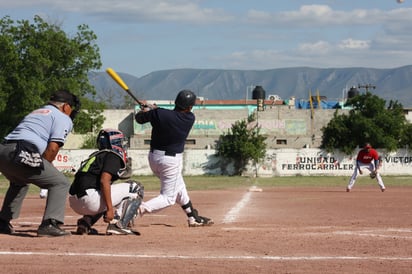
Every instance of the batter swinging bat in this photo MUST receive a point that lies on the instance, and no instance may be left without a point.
(121, 83)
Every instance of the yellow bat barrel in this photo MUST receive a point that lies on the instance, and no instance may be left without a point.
(117, 78)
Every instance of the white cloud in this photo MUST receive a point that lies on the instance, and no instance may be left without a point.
(134, 11)
(320, 35)
(260, 36)
(354, 44)
(323, 15)
(320, 47)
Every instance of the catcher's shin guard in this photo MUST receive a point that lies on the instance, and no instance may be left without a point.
(129, 211)
(136, 187)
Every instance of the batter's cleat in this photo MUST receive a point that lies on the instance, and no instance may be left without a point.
(347, 189)
(50, 228)
(114, 229)
(383, 189)
(6, 227)
(200, 221)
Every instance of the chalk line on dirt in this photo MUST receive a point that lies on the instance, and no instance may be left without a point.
(376, 233)
(271, 258)
(233, 214)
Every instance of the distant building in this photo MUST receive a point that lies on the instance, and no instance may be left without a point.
(285, 123)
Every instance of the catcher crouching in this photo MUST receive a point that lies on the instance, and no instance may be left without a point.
(93, 194)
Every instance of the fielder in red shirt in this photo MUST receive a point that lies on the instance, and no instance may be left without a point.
(367, 158)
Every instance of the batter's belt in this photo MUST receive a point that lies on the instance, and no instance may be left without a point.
(162, 152)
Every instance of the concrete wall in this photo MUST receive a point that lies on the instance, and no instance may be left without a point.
(278, 162)
(408, 115)
(121, 119)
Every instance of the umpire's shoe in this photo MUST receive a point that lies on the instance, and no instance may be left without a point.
(6, 227)
(50, 228)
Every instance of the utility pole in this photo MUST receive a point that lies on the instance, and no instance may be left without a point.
(367, 87)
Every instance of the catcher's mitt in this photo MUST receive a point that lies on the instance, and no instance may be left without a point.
(373, 174)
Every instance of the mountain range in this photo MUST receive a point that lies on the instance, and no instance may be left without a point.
(216, 84)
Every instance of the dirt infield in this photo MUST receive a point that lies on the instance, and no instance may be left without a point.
(278, 230)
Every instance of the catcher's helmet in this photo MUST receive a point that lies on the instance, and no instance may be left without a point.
(112, 139)
(185, 99)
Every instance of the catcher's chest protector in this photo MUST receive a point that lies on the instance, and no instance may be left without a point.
(86, 165)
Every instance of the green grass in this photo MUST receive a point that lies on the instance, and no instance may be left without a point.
(230, 182)
(225, 182)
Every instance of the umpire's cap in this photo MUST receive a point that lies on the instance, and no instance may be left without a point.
(184, 99)
(65, 96)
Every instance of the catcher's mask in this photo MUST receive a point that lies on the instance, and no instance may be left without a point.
(112, 139)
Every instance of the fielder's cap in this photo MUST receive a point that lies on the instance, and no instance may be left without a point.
(367, 146)
(64, 96)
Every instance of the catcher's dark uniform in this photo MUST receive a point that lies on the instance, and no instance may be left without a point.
(85, 193)
(88, 176)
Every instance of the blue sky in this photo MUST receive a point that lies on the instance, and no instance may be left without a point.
(141, 36)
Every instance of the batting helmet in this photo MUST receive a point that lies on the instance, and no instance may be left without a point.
(185, 99)
(112, 139)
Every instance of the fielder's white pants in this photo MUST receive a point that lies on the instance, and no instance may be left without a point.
(369, 167)
(172, 186)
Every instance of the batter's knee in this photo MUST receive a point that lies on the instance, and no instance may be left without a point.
(170, 201)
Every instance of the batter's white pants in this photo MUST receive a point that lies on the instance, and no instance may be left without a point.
(369, 167)
(172, 186)
(93, 203)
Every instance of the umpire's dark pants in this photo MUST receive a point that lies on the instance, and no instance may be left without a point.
(21, 176)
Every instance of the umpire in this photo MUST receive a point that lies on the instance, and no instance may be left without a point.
(26, 156)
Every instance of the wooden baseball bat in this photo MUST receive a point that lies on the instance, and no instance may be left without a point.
(121, 83)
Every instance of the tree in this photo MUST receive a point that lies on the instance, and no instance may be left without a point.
(242, 144)
(406, 140)
(91, 119)
(369, 120)
(39, 58)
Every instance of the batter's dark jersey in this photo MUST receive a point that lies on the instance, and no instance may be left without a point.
(170, 128)
(88, 176)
